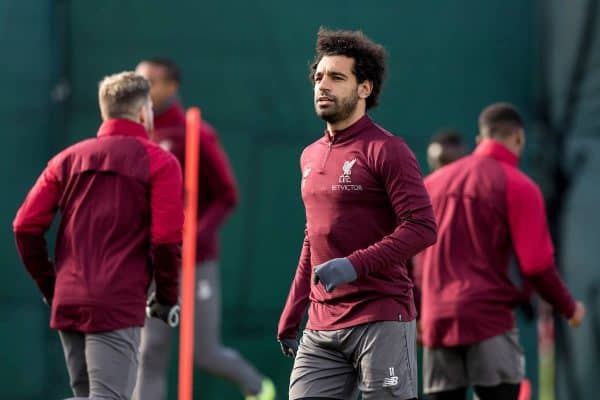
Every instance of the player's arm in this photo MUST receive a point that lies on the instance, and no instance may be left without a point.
(30, 224)
(297, 302)
(416, 228)
(216, 177)
(533, 246)
(166, 202)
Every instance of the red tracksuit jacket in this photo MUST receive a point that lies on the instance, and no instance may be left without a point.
(121, 216)
(365, 200)
(486, 209)
(217, 195)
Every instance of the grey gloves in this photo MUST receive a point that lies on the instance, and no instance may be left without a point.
(331, 274)
(168, 313)
(289, 347)
(334, 273)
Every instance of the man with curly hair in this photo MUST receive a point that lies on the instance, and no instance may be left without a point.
(367, 213)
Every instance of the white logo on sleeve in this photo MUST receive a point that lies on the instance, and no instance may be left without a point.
(305, 175)
(392, 380)
(345, 180)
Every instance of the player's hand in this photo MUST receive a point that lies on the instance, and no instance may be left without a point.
(334, 273)
(577, 318)
(289, 347)
(168, 313)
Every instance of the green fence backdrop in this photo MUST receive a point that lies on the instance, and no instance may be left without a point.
(245, 64)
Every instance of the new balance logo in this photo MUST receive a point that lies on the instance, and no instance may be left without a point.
(305, 175)
(392, 380)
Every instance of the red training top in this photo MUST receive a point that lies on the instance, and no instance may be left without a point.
(486, 209)
(365, 200)
(217, 195)
(121, 213)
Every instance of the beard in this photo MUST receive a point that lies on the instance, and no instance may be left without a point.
(340, 110)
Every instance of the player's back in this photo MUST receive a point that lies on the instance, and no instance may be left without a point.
(103, 242)
(467, 293)
(104, 203)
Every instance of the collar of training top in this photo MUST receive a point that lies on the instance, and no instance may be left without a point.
(496, 150)
(170, 114)
(122, 127)
(350, 132)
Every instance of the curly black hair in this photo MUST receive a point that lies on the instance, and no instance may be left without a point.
(369, 57)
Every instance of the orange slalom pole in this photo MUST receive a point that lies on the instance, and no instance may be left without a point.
(188, 274)
(525, 390)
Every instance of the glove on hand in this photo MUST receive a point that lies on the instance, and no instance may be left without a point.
(289, 347)
(334, 273)
(168, 313)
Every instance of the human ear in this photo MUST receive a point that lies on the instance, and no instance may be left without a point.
(364, 89)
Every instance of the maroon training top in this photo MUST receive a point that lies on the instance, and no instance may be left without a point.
(120, 202)
(364, 199)
(217, 194)
(486, 209)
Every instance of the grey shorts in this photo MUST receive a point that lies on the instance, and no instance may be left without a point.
(376, 359)
(490, 362)
(102, 365)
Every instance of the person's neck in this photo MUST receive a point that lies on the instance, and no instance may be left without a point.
(509, 145)
(168, 102)
(125, 117)
(341, 125)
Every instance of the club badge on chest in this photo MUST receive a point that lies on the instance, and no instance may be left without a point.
(345, 180)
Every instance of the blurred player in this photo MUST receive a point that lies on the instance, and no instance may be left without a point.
(367, 213)
(119, 197)
(216, 199)
(487, 209)
(445, 147)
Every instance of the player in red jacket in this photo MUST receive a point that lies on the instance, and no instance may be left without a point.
(367, 213)
(445, 147)
(486, 210)
(217, 197)
(121, 219)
